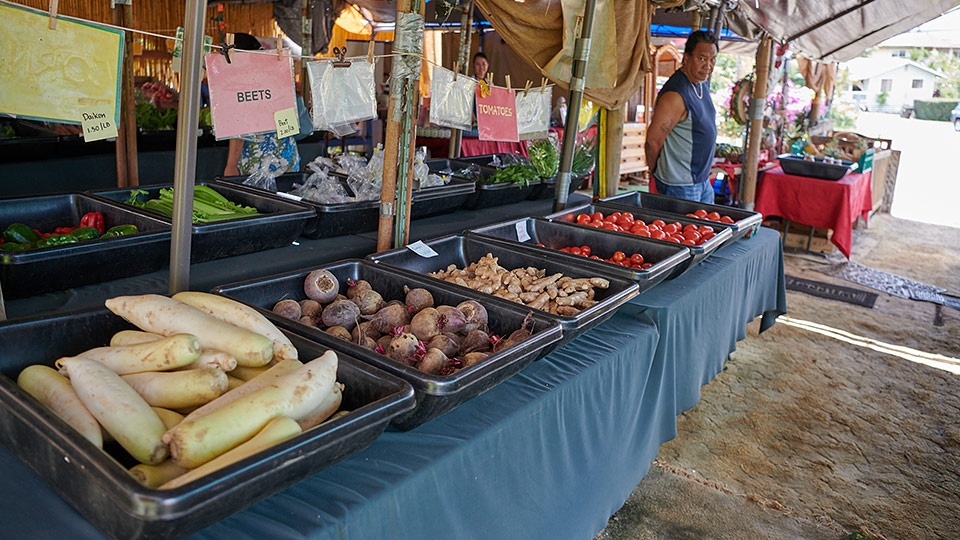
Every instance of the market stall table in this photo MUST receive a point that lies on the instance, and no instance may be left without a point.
(551, 452)
(817, 203)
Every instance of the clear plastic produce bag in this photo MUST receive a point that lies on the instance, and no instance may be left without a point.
(342, 95)
(265, 177)
(366, 182)
(451, 101)
(422, 176)
(533, 112)
(321, 186)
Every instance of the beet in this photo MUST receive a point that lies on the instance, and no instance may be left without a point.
(307, 321)
(354, 288)
(321, 285)
(446, 342)
(389, 317)
(470, 359)
(426, 324)
(404, 348)
(475, 315)
(384, 341)
(417, 299)
(475, 341)
(395, 302)
(341, 313)
(366, 329)
(339, 332)
(310, 308)
(288, 308)
(368, 343)
(518, 335)
(453, 319)
(369, 302)
(433, 361)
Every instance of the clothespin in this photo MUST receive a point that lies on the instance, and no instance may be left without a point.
(526, 87)
(370, 49)
(225, 50)
(543, 84)
(509, 88)
(279, 46)
(483, 88)
(340, 62)
(489, 78)
(54, 4)
(456, 70)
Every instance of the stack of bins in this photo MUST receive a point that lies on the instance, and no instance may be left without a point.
(746, 222)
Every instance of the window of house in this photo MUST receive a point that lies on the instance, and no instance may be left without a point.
(917, 83)
(886, 85)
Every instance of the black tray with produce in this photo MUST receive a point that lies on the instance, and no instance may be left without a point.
(697, 253)
(817, 168)
(486, 195)
(279, 223)
(36, 271)
(746, 223)
(435, 394)
(494, 160)
(666, 260)
(547, 188)
(355, 217)
(97, 484)
(462, 251)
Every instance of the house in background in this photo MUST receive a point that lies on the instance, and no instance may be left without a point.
(887, 83)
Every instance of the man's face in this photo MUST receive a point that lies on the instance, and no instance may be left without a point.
(480, 67)
(700, 62)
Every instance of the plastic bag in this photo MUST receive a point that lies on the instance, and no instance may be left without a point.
(422, 177)
(451, 101)
(321, 186)
(366, 182)
(342, 95)
(533, 113)
(268, 169)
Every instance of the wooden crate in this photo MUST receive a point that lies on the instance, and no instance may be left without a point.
(632, 156)
(799, 236)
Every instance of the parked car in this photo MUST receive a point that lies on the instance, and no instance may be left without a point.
(955, 117)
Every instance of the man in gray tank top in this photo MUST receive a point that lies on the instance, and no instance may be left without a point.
(682, 135)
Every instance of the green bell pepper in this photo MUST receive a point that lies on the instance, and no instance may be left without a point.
(120, 230)
(20, 234)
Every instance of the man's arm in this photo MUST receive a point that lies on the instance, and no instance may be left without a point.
(233, 157)
(669, 111)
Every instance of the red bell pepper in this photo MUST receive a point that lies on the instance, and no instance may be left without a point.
(93, 219)
(64, 230)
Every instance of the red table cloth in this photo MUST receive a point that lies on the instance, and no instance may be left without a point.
(833, 204)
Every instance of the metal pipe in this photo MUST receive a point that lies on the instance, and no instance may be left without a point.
(185, 161)
(581, 52)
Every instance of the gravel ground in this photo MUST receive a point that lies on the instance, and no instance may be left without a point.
(821, 430)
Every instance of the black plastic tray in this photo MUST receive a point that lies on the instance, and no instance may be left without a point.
(555, 235)
(464, 250)
(486, 195)
(435, 394)
(547, 188)
(746, 223)
(798, 166)
(280, 221)
(697, 253)
(36, 271)
(98, 485)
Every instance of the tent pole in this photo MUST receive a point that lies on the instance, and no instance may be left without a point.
(129, 105)
(757, 99)
(613, 136)
(185, 162)
(463, 57)
(580, 53)
(121, 141)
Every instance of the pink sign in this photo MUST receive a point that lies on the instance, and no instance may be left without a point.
(497, 115)
(245, 94)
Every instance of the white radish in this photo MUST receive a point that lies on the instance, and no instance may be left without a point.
(164, 354)
(275, 432)
(326, 408)
(168, 417)
(118, 408)
(249, 373)
(268, 377)
(132, 337)
(163, 315)
(154, 476)
(178, 389)
(242, 315)
(212, 358)
(196, 441)
(54, 390)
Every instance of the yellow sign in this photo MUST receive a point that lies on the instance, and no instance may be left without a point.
(56, 74)
(97, 123)
(288, 123)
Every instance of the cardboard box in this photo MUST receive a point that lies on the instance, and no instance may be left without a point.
(798, 236)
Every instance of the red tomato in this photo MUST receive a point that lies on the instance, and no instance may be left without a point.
(691, 235)
(584, 218)
(596, 216)
(609, 226)
(643, 232)
(646, 265)
(575, 251)
(612, 218)
(706, 229)
(689, 227)
(726, 219)
(706, 236)
(701, 213)
(657, 235)
(658, 222)
(626, 217)
(618, 256)
(540, 245)
(670, 228)
(713, 216)
(585, 250)
(636, 259)
(692, 215)
(688, 242)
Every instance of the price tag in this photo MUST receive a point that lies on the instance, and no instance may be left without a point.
(290, 196)
(288, 123)
(522, 234)
(422, 249)
(98, 123)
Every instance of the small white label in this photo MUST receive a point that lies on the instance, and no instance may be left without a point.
(290, 196)
(422, 249)
(522, 234)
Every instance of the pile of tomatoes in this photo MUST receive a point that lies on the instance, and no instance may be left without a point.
(676, 232)
(620, 258)
(711, 216)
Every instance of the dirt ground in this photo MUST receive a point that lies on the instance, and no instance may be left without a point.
(823, 430)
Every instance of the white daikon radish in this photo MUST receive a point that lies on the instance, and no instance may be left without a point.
(132, 337)
(168, 417)
(154, 476)
(162, 315)
(164, 354)
(54, 390)
(324, 410)
(212, 358)
(179, 389)
(268, 377)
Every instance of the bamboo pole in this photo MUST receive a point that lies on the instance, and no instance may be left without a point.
(581, 51)
(757, 98)
(120, 144)
(129, 113)
(463, 58)
(613, 137)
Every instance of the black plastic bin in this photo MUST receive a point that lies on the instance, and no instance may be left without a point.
(554, 235)
(436, 394)
(97, 483)
(36, 271)
(816, 168)
(746, 223)
(697, 253)
(280, 221)
(485, 195)
(462, 251)
(547, 188)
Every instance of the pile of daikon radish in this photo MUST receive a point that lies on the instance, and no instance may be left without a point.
(207, 382)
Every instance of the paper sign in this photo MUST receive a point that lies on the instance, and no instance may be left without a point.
(522, 234)
(54, 74)
(497, 115)
(245, 94)
(98, 123)
(288, 123)
(422, 249)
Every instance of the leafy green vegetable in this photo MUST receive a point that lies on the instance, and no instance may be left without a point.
(545, 157)
(150, 118)
(518, 173)
(209, 206)
(584, 158)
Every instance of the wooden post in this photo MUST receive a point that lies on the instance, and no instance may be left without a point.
(129, 113)
(613, 136)
(757, 98)
(121, 141)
